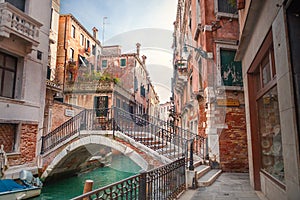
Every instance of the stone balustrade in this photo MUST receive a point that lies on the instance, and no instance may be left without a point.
(89, 86)
(14, 21)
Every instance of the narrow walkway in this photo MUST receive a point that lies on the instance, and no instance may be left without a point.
(229, 186)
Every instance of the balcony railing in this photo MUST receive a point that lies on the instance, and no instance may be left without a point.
(53, 85)
(14, 21)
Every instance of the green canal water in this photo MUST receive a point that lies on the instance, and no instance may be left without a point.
(120, 168)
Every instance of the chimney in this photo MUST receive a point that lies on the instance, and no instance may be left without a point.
(138, 45)
(95, 33)
(144, 59)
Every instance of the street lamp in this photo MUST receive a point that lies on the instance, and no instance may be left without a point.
(203, 54)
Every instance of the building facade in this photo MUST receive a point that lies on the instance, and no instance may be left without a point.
(268, 49)
(78, 52)
(53, 88)
(208, 85)
(24, 36)
(97, 77)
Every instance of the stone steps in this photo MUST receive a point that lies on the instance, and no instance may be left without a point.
(207, 177)
(201, 170)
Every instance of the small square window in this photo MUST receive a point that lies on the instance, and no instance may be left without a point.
(123, 62)
(39, 55)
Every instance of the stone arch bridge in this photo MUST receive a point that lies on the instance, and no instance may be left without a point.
(92, 136)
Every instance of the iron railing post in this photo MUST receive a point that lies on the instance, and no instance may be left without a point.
(143, 186)
(113, 124)
(191, 167)
(42, 147)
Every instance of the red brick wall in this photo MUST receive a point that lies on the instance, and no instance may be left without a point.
(233, 141)
(7, 135)
(58, 113)
(27, 146)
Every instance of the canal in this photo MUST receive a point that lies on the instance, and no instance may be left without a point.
(121, 167)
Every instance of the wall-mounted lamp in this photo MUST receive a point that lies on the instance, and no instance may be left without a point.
(203, 54)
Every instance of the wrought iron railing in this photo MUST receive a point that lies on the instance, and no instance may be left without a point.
(165, 182)
(163, 137)
(63, 132)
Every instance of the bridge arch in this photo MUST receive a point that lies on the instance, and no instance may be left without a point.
(87, 147)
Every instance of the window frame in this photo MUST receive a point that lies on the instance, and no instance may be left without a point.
(17, 136)
(6, 69)
(220, 14)
(73, 31)
(71, 54)
(19, 4)
(121, 60)
(229, 47)
(81, 39)
(257, 91)
(106, 65)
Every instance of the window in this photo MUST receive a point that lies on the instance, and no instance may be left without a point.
(87, 44)
(270, 133)
(143, 91)
(123, 62)
(262, 76)
(136, 84)
(81, 39)
(83, 62)
(87, 48)
(20, 4)
(8, 67)
(71, 56)
(101, 105)
(48, 72)
(104, 63)
(73, 31)
(118, 103)
(9, 137)
(94, 50)
(231, 71)
(51, 16)
(225, 6)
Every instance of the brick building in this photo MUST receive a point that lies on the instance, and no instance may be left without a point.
(269, 51)
(207, 83)
(24, 37)
(97, 77)
(53, 88)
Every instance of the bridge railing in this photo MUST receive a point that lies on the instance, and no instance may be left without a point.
(63, 132)
(161, 136)
(165, 182)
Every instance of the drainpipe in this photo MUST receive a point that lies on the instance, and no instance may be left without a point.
(65, 63)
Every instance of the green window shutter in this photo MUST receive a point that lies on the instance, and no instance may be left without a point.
(231, 71)
(123, 62)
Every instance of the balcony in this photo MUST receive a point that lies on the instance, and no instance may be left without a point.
(14, 21)
(51, 85)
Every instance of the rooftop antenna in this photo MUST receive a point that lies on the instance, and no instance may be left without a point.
(104, 18)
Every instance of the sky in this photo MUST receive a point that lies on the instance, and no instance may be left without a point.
(126, 22)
